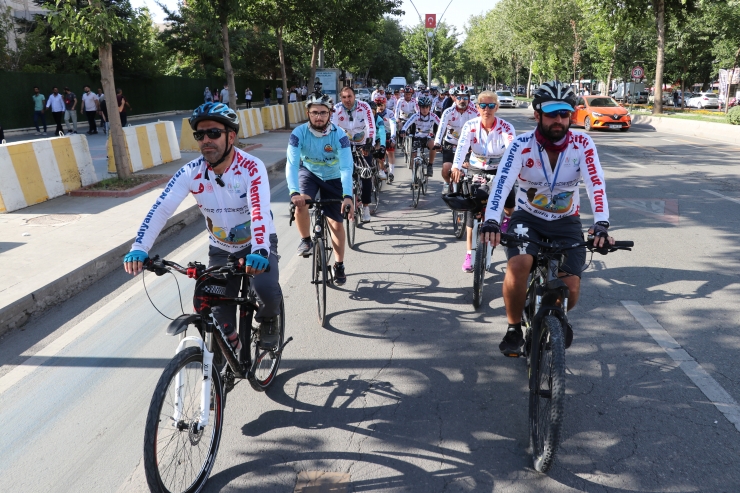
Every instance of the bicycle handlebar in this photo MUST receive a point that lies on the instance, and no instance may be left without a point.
(310, 202)
(508, 239)
(194, 270)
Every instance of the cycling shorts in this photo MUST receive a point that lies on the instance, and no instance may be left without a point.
(311, 185)
(448, 152)
(566, 229)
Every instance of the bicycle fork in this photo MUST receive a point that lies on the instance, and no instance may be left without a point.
(205, 396)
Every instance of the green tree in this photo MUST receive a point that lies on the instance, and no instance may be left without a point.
(443, 44)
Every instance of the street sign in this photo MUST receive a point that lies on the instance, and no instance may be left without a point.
(431, 21)
(638, 72)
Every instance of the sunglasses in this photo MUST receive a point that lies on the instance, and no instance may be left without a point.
(316, 114)
(559, 113)
(483, 106)
(463, 98)
(212, 133)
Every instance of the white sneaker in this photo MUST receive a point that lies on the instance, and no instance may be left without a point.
(445, 188)
(365, 214)
(381, 174)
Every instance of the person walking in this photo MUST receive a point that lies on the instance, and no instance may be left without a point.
(248, 97)
(122, 104)
(38, 110)
(267, 93)
(56, 104)
(676, 99)
(91, 106)
(216, 98)
(70, 114)
(103, 111)
(304, 91)
(293, 95)
(225, 95)
(207, 96)
(279, 93)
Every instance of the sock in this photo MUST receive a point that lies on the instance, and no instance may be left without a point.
(517, 327)
(470, 252)
(339, 264)
(391, 167)
(306, 239)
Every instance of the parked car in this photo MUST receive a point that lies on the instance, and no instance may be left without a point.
(506, 98)
(666, 98)
(600, 112)
(703, 100)
(640, 98)
(363, 94)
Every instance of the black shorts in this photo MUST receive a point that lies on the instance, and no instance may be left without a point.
(448, 152)
(568, 229)
(310, 184)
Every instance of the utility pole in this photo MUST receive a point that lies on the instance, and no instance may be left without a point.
(430, 37)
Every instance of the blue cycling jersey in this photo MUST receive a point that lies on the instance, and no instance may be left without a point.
(328, 156)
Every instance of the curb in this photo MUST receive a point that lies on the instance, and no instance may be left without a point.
(17, 313)
(722, 132)
(121, 193)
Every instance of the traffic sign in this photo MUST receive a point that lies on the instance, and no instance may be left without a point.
(431, 21)
(638, 72)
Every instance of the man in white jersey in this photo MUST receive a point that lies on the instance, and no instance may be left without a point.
(548, 163)
(233, 193)
(389, 121)
(390, 102)
(422, 126)
(406, 106)
(451, 123)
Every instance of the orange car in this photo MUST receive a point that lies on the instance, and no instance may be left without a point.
(600, 112)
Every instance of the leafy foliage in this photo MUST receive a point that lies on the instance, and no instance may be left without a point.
(733, 116)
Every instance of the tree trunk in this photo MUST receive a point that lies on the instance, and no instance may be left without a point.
(611, 70)
(314, 62)
(228, 69)
(123, 167)
(286, 96)
(660, 25)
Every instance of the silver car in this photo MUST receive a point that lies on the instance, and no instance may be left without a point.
(363, 94)
(506, 98)
(703, 100)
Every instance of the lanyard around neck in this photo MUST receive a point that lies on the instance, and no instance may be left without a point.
(551, 186)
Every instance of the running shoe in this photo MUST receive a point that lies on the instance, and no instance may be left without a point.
(467, 266)
(339, 276)
(269, 334)
(390, 177)
(366, 214)
(512, 342)
(430, 170)
(304, 249)
(381, 174)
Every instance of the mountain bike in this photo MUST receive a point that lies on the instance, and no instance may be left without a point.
(419, 170)
(321, 272)
(459, 218)
(545, 319)
(350, 227)
(186, 414)
(481, 253)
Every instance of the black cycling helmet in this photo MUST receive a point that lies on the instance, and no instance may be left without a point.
(424, 101)
(408, 89)
(553, 96)
(218, 112)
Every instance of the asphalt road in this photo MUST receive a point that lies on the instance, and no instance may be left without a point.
(405, 390)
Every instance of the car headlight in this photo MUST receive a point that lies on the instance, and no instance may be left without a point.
(596, 114)
(627, 114)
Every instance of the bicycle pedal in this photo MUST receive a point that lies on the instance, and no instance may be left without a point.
(513, 354)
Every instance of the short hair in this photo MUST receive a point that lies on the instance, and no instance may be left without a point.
(86, 85)
(345, 89)
(55, 87)
(488, 94)
(35, 87)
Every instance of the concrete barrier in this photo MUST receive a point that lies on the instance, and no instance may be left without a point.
(250, 122)
(187, 142)
(296, 112)
(38, 170)
(147, 145)
(273, 117)
(721, 132)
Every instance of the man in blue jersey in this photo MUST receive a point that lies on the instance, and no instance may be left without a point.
(320, 159)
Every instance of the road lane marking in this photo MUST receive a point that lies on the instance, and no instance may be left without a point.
(623, 159)
(737, 201)
(703, 380)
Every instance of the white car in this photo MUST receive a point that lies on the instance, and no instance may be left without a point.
(703, 100)
(506, 98)
(363, 94)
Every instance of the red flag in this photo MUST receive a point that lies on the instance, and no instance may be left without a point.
(431, 21)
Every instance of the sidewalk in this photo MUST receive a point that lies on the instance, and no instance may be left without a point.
(51, 251)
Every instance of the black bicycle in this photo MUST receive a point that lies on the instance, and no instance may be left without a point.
(545, 320)
(419, 170)
(321, 272)
(186, 414)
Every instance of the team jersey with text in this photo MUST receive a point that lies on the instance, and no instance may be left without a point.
(452, 122)
(546, 193)
(420, 126)
(486, 148)
(237, 214)
(404, 109)
(358, 122)
(328, 157)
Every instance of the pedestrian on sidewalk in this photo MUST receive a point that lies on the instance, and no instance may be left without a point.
(216, 97)
(207, 95)
(122, 105)
(267, 93)
(293, 95)
(279, 93)
(238, 224)
(676, 98)
(70, 113)
(38, 110)
(304, 91)
(103, 111)
(56, 104)
(91, 106)
(248, 97)
(225, 95)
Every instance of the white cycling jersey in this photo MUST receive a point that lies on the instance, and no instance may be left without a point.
(486, 148)
(437, 103)
(424, 125)
(404, 109)
(390, 123)
(390, 105)
(545, 193)
(452, 122)
(358, 122)
(237, 214)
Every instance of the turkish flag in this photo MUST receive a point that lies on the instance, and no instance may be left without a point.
(431, 21)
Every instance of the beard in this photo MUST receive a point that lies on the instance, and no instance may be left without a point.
(462, 104)
(321, 128)
(553, 132)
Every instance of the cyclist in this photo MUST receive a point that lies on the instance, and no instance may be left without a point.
(232, 190)
(422, 126)
(378, 90)
(485, 138)
(438, 99)
(548, 162)
(319, 159)
(452, 121)
(449, 100)
(389, 122)
(356, 118)
(390, 101)
(380, 138)
(406, 106)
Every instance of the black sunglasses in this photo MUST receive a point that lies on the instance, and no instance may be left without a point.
(558, 113)
(212, 133)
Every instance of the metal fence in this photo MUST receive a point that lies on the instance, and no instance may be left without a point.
(144, 95)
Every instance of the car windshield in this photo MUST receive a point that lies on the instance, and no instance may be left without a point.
(602, 102)
(503, 93)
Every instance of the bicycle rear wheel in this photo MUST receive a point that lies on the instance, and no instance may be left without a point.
(424, 177)
(350, 228)
(546, 393)
(376, 194)
(459, 221)
(177, 458)
(266, 362)
(479, 273)
(320, 277)
(419, 175)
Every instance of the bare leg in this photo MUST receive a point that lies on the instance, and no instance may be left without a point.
(337, 239)
(446, 172)
(515, 286)
(469, 240)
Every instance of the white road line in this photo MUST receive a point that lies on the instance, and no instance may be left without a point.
(708, 385)
(669, 140)
(737, 201)
(625, 160)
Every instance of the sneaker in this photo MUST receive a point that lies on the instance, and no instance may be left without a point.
(234, 340)
(365, 214)
(568, 335)
(269, 334)
(390, 177)
(339, 276)
(505, 224)
(381, 174)
(467, 266)
(304, 249)
(445, 188)
(429, 170)
(512, 342)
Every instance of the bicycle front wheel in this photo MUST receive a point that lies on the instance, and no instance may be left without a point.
(350, 228)
(267, 362)
(420, 174)
(177, 456)
(479, 273)
(376, 194)
(320, 278)
(546, 393)
(459, 221)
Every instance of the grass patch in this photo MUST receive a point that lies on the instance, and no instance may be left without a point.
(701, 117)
(122, 183)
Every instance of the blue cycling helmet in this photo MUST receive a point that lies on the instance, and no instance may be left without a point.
(217, 112)
(425, 101)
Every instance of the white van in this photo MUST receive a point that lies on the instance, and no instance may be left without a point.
(397, 83)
